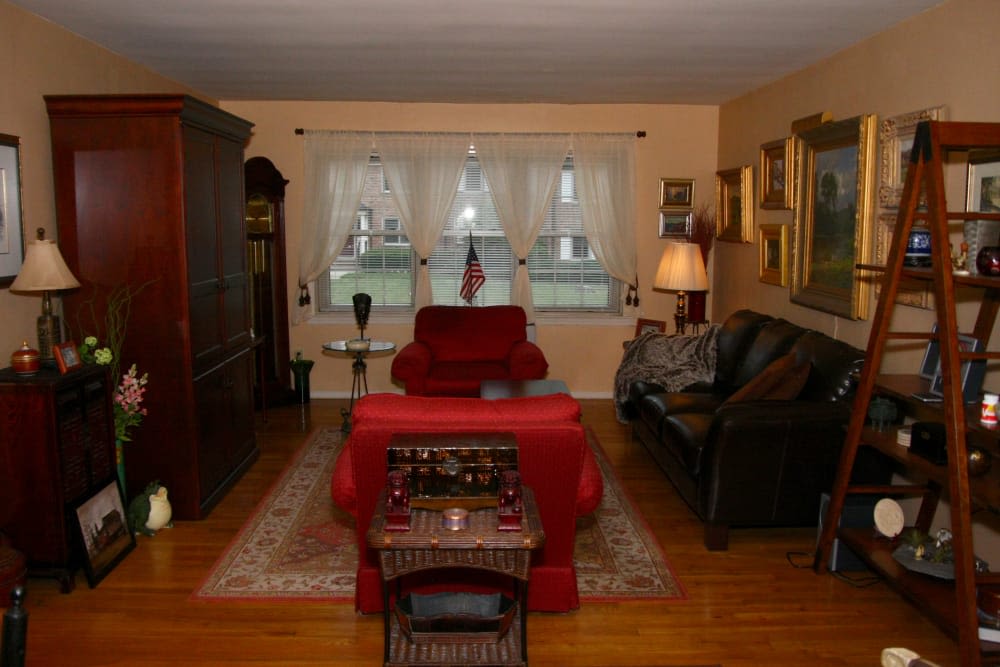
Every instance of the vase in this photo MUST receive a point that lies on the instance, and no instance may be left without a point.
(918, 248)
(120, 464)
(988, 261)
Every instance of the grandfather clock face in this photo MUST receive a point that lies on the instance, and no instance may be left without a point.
(260, 215)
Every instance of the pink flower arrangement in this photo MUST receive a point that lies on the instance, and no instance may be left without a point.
(128, 403)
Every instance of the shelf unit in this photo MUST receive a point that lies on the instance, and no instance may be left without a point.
(949, 604)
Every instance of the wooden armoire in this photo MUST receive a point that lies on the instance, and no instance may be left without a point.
(149, 194)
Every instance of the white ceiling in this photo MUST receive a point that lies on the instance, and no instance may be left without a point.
(558, 51)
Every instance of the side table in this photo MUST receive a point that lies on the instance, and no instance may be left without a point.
(427, 545)
(360, 370)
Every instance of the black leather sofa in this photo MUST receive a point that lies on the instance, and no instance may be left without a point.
(754, 462)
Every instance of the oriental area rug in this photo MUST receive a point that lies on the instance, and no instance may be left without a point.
(299, 546)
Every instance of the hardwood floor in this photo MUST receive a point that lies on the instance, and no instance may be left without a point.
(749, 606)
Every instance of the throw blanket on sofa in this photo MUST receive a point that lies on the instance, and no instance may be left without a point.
(673, 362)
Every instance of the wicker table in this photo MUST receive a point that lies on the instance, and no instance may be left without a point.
(480, 546)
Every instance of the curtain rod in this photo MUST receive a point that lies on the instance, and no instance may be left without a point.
(640, 133)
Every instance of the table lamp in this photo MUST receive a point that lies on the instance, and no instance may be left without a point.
(45, 271)
(681, 270)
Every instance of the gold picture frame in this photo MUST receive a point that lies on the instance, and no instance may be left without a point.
(776, 169)
(896, 141)
(833, 230)
(774, 254)
(676, 192)
(734, 204)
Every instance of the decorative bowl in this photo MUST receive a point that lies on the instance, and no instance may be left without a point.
(25, 360)
(358, 345)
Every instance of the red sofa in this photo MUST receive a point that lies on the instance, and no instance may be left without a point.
(553, 457)
(455, 348)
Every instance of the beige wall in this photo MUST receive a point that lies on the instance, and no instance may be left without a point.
(42, 59)
(936, 58)
(680, 143)
(942, 57)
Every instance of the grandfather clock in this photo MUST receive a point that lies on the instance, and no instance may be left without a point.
(265, 224)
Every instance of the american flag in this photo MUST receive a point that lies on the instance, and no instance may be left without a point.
(473, 278)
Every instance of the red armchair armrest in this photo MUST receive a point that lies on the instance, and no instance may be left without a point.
(526, 361)
(412, 365)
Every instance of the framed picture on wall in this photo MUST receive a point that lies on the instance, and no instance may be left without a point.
(11, 238)
(675, 224)
(776, 159)
(834, 216)
(896, 141)
(774, 254)
(984, 183)
(734, 204)
(676, 192)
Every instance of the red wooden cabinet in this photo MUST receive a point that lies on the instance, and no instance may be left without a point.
(149, 192)
(57, 448)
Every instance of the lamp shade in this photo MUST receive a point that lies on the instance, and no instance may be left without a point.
(43, 269)
(681, 269)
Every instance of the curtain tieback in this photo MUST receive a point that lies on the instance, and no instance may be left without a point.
(522, 262)
(423, 261)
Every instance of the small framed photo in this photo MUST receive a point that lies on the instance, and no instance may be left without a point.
(104, 531)
(734, 204)
(774, 254)
(649, 326)
(675, 224)
(775, 170)
(676, 192)
(973, 371)
(932, 357)
(67, 357)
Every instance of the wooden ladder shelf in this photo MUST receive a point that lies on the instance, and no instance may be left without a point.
(951, 605)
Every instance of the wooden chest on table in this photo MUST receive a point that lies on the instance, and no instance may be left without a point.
(453, 469)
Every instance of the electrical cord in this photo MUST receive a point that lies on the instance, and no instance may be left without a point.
(857, 582)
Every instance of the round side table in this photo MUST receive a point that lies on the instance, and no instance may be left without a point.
(359, 369)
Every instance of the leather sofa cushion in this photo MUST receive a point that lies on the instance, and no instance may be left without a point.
(734, 339)
(782, 380)
(685, 435)
(774, 340)
(833, 362)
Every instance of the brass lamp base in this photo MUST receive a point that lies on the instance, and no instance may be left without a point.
(680, 316)
(49, 334)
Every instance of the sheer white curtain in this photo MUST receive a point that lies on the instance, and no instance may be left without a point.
(605, 180)
(335, 167)
(423, 171)
(523, 171)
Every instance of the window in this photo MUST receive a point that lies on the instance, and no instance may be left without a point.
(378, 260)
(393, 225)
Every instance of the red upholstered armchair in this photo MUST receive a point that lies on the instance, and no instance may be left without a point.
(554, 459)
(455, 348)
